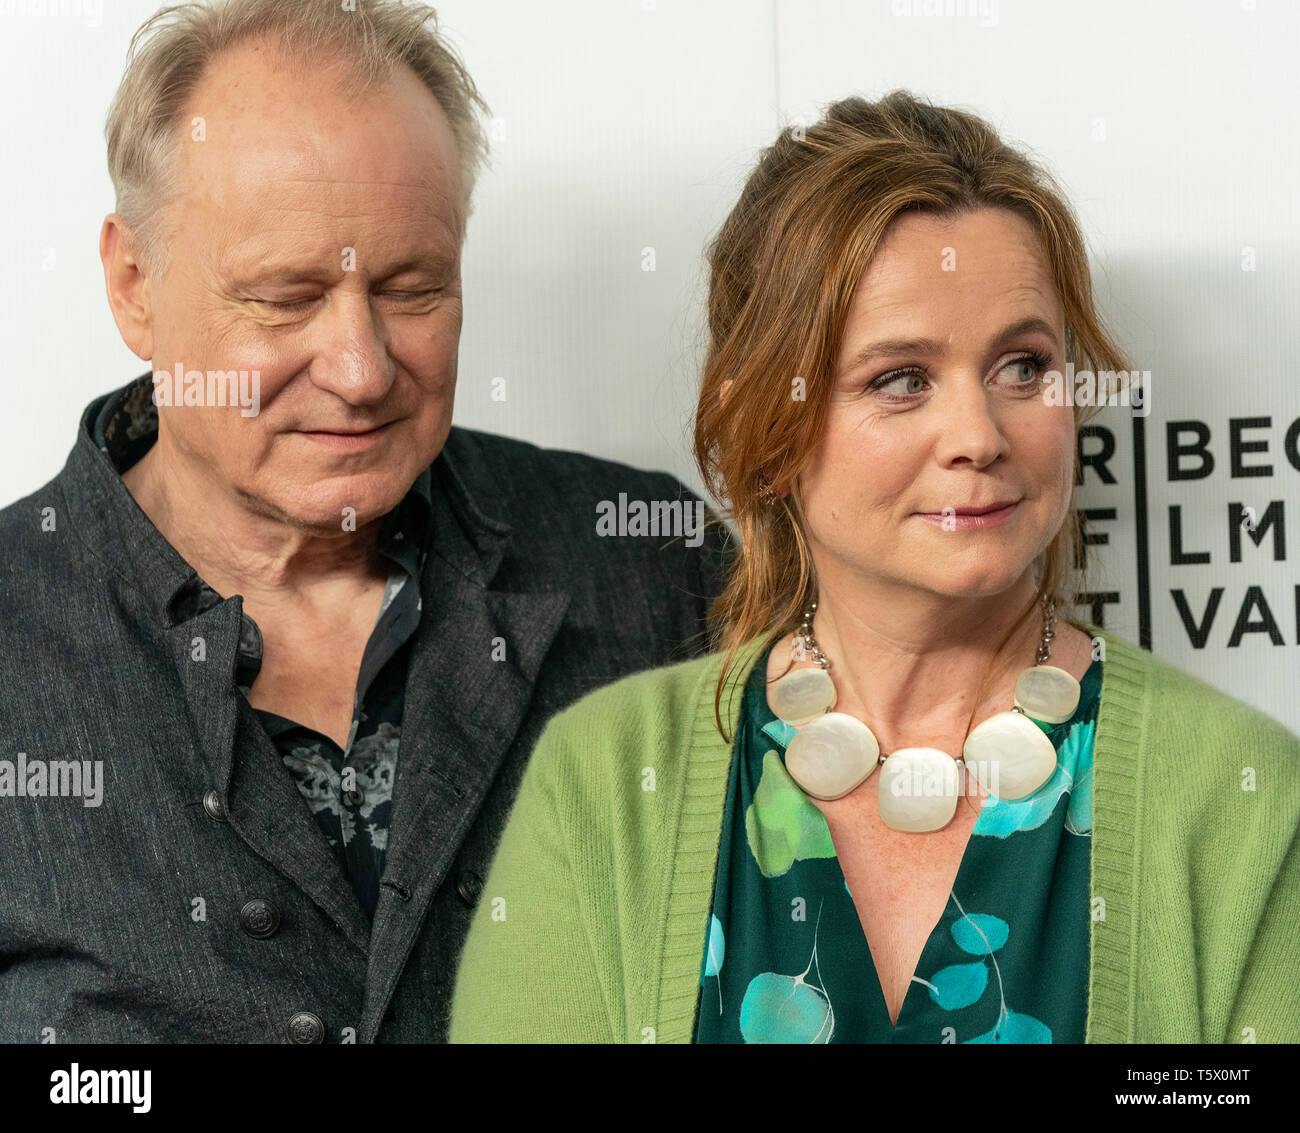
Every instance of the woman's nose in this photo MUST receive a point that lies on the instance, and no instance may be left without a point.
(971, 427)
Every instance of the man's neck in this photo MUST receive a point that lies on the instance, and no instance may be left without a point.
(239, 550)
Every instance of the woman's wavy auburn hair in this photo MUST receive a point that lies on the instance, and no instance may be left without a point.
(783, 270)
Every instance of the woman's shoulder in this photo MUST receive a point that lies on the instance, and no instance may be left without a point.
(1180, 709)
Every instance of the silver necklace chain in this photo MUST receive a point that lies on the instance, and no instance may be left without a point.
(1044, 651)
(814, 651)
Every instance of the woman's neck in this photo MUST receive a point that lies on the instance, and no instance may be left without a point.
(912, 672)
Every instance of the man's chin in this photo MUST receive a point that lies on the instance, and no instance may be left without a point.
(341, 505)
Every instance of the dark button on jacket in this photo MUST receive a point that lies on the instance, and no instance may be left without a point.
(469, 887)
(306, 1028)
(525, 609)
(259, 919)
(212, 805)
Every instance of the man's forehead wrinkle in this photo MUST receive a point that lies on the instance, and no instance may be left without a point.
(260, 169)
(318, 212)
(262, 256)
(265, 209)
(312, 134)
(287, 230)
(423, 185)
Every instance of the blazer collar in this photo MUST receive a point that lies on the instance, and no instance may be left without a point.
(117, 428)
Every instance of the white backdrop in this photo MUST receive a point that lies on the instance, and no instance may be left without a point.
(622, 125)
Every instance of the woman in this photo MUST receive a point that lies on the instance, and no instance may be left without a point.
(871, 814)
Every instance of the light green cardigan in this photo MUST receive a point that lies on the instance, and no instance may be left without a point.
(592, 920)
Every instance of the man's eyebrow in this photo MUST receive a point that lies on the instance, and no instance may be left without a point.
(434, 262)
(290, 272)
(891, 346)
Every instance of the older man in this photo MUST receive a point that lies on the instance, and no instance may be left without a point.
(283, 633)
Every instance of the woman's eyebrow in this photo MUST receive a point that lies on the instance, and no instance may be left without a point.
(891, 346)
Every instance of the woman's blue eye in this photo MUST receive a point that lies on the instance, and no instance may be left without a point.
(1036, 362)
(905, 378)
(1033, 369)
(889, 379)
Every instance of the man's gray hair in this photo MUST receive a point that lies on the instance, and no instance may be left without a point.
(171, 51)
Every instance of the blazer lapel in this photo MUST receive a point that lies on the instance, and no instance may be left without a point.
(261, 800)
(463, 711)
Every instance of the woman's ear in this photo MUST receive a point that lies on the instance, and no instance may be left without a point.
(723, 390)
(774, 492)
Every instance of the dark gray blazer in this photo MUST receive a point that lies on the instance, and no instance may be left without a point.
(122, 921)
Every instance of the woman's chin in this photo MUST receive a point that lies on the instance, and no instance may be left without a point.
(974, 580)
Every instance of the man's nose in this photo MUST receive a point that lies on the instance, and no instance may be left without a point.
(352, 356)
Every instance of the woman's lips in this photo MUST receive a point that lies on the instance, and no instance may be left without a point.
(971, 522)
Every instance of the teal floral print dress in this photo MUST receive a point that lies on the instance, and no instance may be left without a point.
(786, 961)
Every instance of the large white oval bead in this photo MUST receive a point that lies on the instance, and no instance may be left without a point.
(918, 789)
(831, 755)
(1047, 693)
(1009, 755)
(802, 695)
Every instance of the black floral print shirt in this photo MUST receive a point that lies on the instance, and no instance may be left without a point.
(349, 790)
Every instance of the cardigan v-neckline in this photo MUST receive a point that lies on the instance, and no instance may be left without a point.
(1117, 790)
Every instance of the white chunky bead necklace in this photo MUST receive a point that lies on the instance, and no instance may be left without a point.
(1009, 754)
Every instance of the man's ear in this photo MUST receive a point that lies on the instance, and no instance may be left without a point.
(126, 286)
